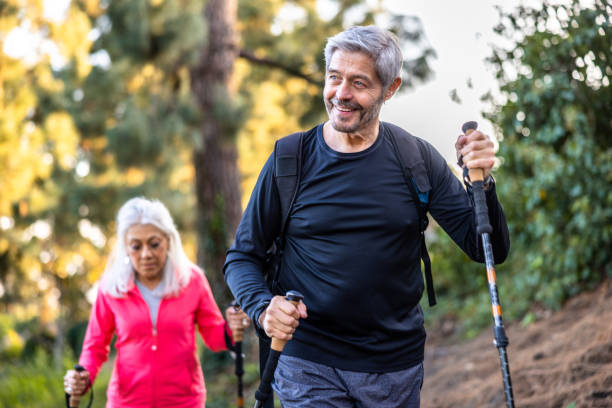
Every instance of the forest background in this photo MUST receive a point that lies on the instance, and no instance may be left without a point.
(182, 101)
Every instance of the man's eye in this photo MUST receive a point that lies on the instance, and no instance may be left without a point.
(135, 247)
(155, 244)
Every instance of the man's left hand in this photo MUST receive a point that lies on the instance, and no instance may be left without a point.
(477, 151)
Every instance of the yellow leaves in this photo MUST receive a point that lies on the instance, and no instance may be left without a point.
(4, 244)
(60, 130)
(155, 3)
(20, 159)
(7, 23)
(147, 76)
(17, 98)
(68, 263)
(182, 178)
(92, 7)
(267, 123)
(45, 79)
(32, 267)
(71, 37)
(134, 176)
(241, 70)
(12, 343)
(26, 150)
(24, 208)
(42, 200)
(190, 246)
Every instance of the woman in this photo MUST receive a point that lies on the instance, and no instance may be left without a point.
(152, 297)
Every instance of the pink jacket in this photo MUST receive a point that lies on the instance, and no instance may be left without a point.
(155, 367)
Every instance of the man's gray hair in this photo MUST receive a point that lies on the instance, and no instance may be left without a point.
(380, 45)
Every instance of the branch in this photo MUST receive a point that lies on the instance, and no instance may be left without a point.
(249, 56)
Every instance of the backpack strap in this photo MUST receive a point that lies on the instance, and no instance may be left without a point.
(287, 172)
(411, 155)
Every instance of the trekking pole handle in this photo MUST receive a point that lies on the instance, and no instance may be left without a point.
(294, 297)
(467, 128)
(477, 179)
(265, 389)
(76, 399)
(238, 336)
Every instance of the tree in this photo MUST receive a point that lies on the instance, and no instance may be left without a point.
(557, 169)
(39, 153)
(215, 155)
(77, 139)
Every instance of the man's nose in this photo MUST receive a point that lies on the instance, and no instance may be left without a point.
(344, 91)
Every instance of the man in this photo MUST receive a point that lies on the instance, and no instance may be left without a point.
(352, 242)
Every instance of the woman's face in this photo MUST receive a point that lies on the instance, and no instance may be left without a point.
(147, 247)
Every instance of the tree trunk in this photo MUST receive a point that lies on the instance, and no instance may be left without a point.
(215, 157)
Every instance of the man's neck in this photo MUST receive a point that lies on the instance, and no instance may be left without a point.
(350, 142)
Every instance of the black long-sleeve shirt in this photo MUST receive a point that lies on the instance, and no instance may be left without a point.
(352, 249)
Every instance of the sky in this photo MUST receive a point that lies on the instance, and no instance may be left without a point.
(461, 34)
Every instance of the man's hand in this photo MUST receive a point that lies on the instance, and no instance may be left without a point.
(280, 319)
(477, 151)
(76, 382)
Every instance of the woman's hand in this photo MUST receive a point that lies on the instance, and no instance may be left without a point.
(76, 382)
(237, 321)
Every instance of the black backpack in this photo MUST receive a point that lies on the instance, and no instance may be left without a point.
(287, 173)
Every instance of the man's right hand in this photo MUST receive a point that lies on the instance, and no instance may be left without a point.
(280, 319)
(76, 382)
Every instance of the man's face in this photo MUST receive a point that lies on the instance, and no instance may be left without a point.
(353, 93)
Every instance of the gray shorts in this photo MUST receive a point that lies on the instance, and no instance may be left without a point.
(302, 383)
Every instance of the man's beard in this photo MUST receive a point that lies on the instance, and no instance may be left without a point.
(365, 116)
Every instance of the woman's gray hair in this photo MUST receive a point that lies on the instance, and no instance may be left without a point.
(380, 45)
(118, 277)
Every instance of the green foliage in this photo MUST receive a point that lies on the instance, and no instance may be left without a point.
(556, 176)
(37, 383)
(555, 180)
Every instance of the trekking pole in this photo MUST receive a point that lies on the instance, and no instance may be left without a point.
(265, 387)
(73, 401)
(239, 366)
(483, 228)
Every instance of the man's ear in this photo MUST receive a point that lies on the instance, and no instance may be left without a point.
(393, 88)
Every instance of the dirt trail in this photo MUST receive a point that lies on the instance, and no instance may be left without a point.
(563, 361)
